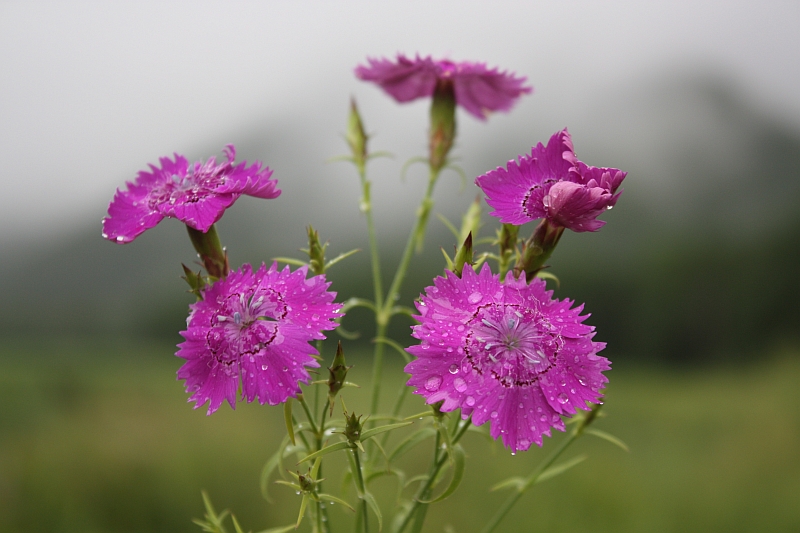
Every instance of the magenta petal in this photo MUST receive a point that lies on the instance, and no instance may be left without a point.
(478, 89)
(197, 194)
(499, 351)
(551, 183)
(255, 327)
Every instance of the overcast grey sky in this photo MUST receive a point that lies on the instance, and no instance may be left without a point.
(92, 91)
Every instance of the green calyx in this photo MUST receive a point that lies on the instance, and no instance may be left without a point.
(338, 373)
(443, 123)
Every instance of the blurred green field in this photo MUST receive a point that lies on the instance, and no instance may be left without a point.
(98, 437)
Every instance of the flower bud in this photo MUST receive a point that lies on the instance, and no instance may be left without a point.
(538, 249)
(443, 123)
(356, 137)
(338, 373)
(316, 252)
(352, 430)
(463, 256)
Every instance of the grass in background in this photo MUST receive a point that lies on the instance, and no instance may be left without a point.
(99, 438)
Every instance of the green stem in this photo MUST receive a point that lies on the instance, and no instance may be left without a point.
(362, 489)
(310, 416)
(384, 310)
(440, 458)
(509, 503)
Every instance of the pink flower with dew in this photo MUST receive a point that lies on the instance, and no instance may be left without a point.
(505, 353)
(254, 328)
(478, 89)
(197, 194)
(551, 183)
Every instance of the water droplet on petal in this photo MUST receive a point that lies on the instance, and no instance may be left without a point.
(264, 367)
(454, 369)
(432, 383)
(563, 398)
(494, 414)
(475, 297)
(470, 401)
(460, 385)
(543, 418)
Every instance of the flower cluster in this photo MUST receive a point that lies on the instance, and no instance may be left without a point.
(255, 328)
(197, 194)
(478, 89)
(504, 352)
(551, 183)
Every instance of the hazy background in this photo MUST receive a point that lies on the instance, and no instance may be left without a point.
(696, 270)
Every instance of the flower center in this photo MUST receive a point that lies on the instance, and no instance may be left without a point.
(512, 345)
(245, 323)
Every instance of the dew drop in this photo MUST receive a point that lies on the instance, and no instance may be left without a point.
(432, 383)
(543, 418)
(581, 379)
(494, 414)
(454, 369)
(475, 297)
(264, 367)
(315, 317)
(524, 444)
(460, 385)
(470, 401)
(460, 329)
(563, 398)
(521, 405)
(286, 369)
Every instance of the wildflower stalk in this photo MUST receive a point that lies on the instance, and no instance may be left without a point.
(362, 522)
(588, 418)
(418, 507)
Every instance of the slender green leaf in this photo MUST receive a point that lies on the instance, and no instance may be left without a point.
(419, 415)
(607, 436)
(380, 153)
(449, 262)
(448, 224)
(287, 418)
(290, 261)
(343, 445)
(548, 275)
(236, 525)
(341, 256)
(273, 463)
(515, 482)
(459, 462)
(334, 499)
(409, 442)
(368, 434)
(303, 505)
(409, 163)
(294, 486)
(399, 349)
(279, 529)
(553, 471)
(375, 509)
(421, 477)
(357, 302)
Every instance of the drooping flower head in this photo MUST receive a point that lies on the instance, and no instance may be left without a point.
(197, 194)
(478, 89)
(254, 328)
(551, 183)
(506, 353)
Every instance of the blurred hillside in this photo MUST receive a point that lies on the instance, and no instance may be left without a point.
(698, 261)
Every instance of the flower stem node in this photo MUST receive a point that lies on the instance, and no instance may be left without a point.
(338, 373)
(443, 123)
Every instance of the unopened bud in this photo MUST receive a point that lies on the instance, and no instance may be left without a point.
(463, 256)
(316, 252)
(352, 429)
(356, 137)
(338, 373)
(443, 123)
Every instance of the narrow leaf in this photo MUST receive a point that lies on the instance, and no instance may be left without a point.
(515, 482)
(279, 529)
(273, 463)
(340, 257)
(368, 434)
(236, 525)
(448, 224)
(607, 436)
(343, 445)
(295, 486)
(459, 462)
(409, 442)
(419, 415)
(553, 471)
(375, 509)
(303, 505)
(334, 499)
(287, 418)
(547, 275)
(290, 261)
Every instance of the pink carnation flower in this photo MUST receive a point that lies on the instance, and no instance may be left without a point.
(197, 194)
(551, 183)
(255, 328)
(506, 353)
(478, 89)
